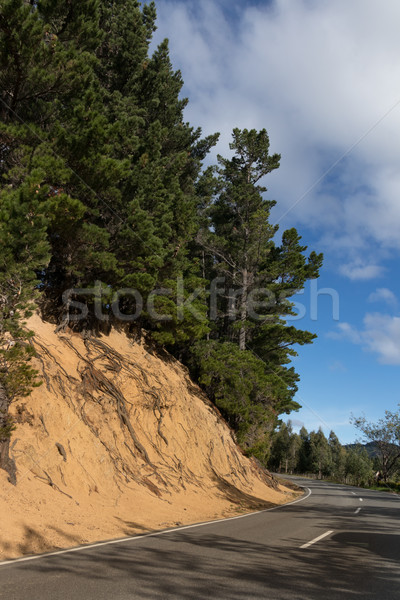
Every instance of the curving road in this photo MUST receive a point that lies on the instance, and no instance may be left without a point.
(337, 542)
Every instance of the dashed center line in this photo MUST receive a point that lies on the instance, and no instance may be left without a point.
(354, 494)
(317, 539)
(357, 510)
(360, 499)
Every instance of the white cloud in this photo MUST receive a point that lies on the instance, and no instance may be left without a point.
(380, 334)
(323, 78)
(346, 331)
(361, 272)
(383, 295)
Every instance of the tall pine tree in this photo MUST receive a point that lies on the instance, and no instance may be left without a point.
(23, 251)
(256, 277)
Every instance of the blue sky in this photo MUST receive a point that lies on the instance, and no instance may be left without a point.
(324, 79)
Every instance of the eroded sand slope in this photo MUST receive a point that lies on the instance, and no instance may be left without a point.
(117, 441)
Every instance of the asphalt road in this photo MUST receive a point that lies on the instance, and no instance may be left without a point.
(338, 542)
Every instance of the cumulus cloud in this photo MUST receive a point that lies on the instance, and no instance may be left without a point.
(322, 77)
(361, 272)
(347, 332)
(380, 334)
(383, 295)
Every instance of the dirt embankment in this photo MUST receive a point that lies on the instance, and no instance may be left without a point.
(116, 442)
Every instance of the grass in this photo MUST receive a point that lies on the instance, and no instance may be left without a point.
(390, 486)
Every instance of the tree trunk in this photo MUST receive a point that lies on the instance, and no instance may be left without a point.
(6, 462)
(243, 311)
(385, 473)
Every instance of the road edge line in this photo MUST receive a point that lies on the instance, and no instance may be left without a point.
(13, 561)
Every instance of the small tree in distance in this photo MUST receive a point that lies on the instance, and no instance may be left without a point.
(357, 468)
(320, 455)
(385, 434)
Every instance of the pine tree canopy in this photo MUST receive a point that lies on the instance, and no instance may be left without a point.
(105, 200)
(257, 276)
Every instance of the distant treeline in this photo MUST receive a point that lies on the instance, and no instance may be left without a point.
(314, 454)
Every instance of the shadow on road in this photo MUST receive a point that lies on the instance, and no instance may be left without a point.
(361, 559)
(183, 566)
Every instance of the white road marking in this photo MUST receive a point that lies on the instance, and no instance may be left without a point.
(147, 535)
(360, 499)
(357, 510)
(354, 494)
(320, 537)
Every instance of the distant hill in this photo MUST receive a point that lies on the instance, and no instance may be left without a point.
(370, 447)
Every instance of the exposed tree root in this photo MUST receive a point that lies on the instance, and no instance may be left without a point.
(41, 419)
(101, 368)
(51, 483)
(92, 378)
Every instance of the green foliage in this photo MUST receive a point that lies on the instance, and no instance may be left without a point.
(312, 453)
(338, 457)
(285, 449)
(320, 454)
(6, 428)
(358, 468)
(256, 276)
(23, 251)
(236, 381)
(304, 462)
(104, 189)
(389, 486)
(385, 433)
(240, 238)
(18, 376)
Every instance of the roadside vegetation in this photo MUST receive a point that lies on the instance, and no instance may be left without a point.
(109, 216)
(361, 464)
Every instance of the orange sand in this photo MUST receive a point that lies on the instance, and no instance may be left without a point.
(85, 474)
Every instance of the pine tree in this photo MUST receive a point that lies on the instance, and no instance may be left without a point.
(155, 217)
(257, 277)
(294, 449)
(303, 465)
(338, 455)
(52, 121)
(95, 149)
(280, 448)
(237, 383)
(103, 122)
(239, 234)
(320, 456)
(260, 276)
(23, 252)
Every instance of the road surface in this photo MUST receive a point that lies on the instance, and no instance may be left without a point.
(337, 542)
